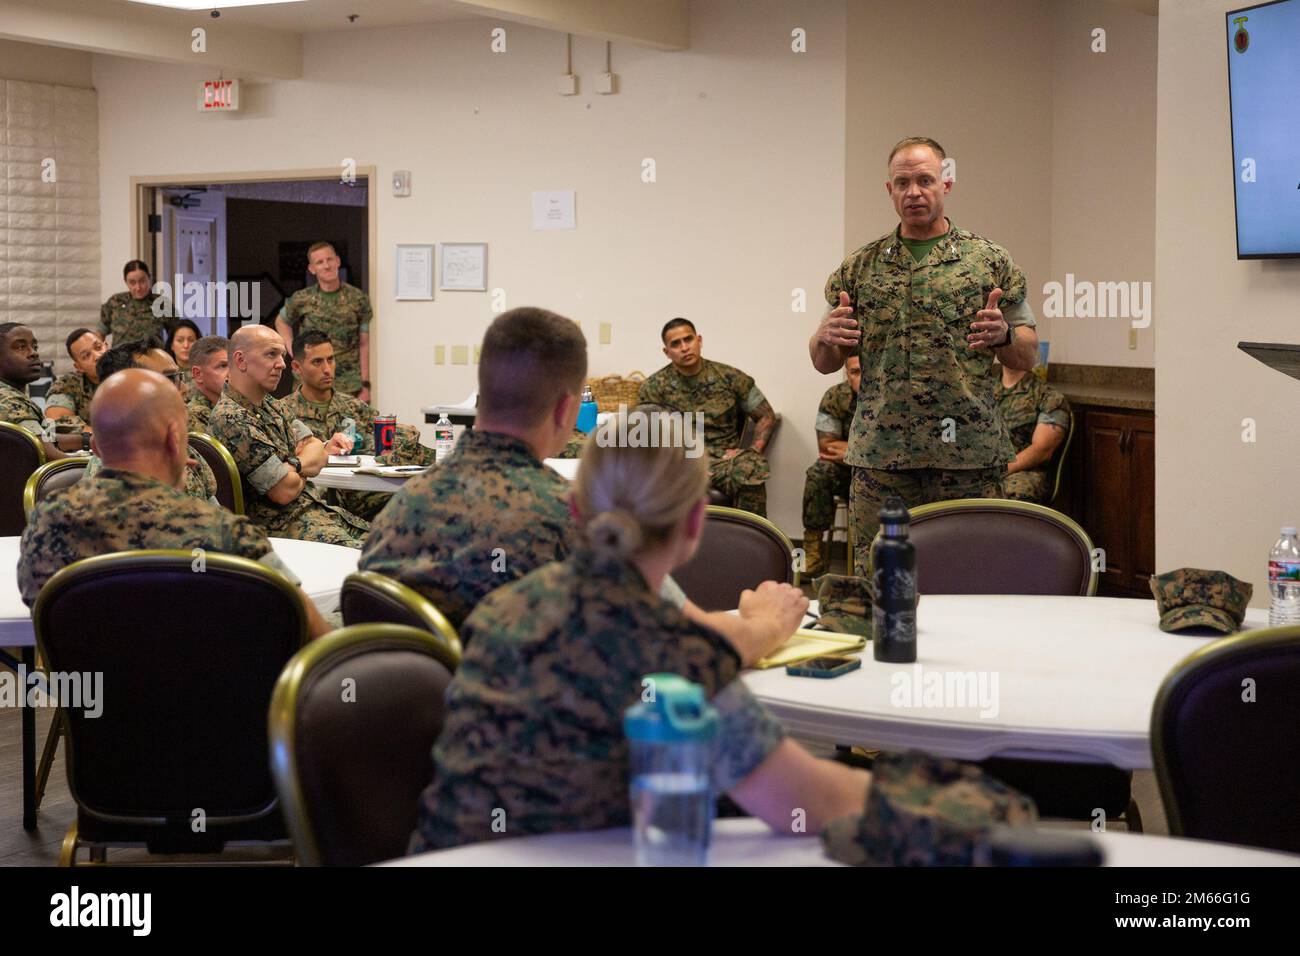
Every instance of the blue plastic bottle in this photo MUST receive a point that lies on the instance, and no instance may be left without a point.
(587, 413)
(671, 734)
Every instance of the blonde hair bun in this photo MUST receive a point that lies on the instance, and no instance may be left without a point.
(615, 532)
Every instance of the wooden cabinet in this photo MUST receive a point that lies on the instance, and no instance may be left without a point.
(1109, 487)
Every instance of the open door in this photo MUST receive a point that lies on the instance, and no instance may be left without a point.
(194, 250)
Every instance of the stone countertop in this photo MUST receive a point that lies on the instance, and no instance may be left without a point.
(1105, 386)
(1111, 396)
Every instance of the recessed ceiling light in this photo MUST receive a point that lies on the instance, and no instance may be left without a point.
(211, 4)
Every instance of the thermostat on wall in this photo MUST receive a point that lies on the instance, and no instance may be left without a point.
(402, 182)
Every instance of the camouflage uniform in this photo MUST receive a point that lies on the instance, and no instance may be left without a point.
(726, 396)
(927, 426)
(573, 447)
(535, 712)
(923, 811)
(1024, 406)
(132, 320)
(826, 479)
(343, 316)
(17, 409)
(199, 410)
(73, 390)
(200, 482)
(1192, 597)
(122, 511)
(488, 515)
(325, 418)
(261, 439)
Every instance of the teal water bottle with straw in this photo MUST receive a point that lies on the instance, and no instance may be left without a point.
(671, 734)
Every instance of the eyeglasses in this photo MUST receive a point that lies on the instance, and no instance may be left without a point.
(171, 376)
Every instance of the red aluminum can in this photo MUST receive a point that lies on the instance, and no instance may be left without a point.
(385, 430)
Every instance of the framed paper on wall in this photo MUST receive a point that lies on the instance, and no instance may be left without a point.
(414, 273)
(463, 266)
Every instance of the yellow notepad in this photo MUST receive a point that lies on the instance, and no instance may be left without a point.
(806, 644)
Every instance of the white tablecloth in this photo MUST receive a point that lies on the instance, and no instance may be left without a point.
(322, 568)
(1075, 677)
(567, 467)
(346, 479)
(749, 842)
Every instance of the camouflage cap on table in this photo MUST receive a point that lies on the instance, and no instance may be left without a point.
(1191, 597)
(844, 604)
(927, 812)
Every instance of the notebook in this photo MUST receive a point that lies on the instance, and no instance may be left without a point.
(806, 644)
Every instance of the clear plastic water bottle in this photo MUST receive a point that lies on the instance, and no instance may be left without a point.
(1284, 580)
(444, 438)
(671, 735)
(587, 412)
(348, 427)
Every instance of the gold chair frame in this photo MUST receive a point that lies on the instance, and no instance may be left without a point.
(282, 718)
(419, 605)
(129, 560)
(223, 453)
(43, 472)
(1009, 504)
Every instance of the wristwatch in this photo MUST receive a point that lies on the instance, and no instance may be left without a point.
(293, 462)
(1007, 341)
(364, 383)
(85, 441)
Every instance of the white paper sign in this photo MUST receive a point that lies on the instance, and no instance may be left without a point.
(464, 265)
(414, 272)
(554, 209)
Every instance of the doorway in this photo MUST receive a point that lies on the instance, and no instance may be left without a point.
(236, 244)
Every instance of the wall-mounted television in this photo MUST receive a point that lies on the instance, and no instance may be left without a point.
(1264, 95)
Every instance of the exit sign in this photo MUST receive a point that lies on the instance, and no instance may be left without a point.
(218, 96)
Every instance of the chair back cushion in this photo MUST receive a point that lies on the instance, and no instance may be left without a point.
(57, 475)
(362, 762)
(188, 660)
(229, 490)
(19, 457)
(737, 550)
(996, 547)
(1223, 733)
(362, 604)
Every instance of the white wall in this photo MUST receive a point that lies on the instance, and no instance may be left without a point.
(44, 64)
(747, 137)
(1055, 145)
(1219, 500)
(1103, 171)
(992, 113)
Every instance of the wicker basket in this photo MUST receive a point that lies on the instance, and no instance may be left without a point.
(613, 390)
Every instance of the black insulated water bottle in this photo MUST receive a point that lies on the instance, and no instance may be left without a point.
(893, 558)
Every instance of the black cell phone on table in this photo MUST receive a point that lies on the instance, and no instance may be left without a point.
(827, 666)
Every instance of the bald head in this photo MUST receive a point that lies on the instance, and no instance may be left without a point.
(245, 337)
(257, 360)
(139, 419)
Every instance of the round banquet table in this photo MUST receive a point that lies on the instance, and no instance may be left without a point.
(749, 842)
(322, 568)
(347, 479)
(1071, 679)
